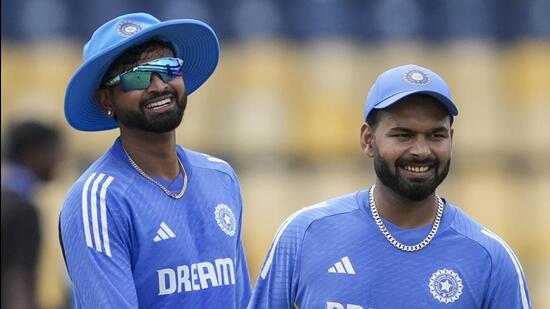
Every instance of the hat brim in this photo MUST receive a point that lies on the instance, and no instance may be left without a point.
(444, 100)
(195, 42)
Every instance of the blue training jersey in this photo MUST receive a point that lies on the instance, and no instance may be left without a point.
(127, 244)
(333, 255)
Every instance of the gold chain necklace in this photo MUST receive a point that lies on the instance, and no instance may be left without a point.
(395, 242)
(168, 192)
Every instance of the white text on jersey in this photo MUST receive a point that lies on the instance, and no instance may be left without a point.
(197, 276)
(335, 305)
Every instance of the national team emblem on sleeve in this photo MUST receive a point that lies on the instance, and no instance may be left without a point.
(445, 286)
(226, 219)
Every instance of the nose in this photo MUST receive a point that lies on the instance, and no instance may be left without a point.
(420, 149)
(157, 84)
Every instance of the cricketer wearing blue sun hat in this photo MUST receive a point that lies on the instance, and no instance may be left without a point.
(150, 223)
(194, 42)
(400, 82)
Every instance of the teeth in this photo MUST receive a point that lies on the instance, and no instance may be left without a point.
(416, 169)
(158, 104)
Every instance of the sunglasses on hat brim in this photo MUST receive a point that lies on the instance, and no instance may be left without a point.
(139, 77)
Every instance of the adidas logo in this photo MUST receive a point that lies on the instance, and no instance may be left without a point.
(164, 233)
(342, 267)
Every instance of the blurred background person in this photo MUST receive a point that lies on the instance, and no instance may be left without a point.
(32, 153)
(283, 106)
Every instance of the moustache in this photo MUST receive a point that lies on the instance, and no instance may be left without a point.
(414, 161)
(155, 97)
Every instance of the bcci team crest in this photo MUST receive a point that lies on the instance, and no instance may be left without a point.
(445, 285)
(416, 78)
(226, 219)
(126, 28)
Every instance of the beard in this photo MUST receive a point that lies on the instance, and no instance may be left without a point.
(411, 190)
(161, 123)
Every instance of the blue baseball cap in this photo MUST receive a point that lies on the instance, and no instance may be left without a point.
(397, 83)
(194, 42)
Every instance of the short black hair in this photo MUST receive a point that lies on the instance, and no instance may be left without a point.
(133, 55)
(28, 136)
(372, 119)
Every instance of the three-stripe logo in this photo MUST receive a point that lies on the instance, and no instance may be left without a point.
(343, 267)
(90, 212)
(164, 233)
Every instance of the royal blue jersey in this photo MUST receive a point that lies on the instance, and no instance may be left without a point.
(127, 244)
(333, 255)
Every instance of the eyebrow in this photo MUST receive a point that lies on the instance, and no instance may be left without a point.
(407, 130)
(438, 129)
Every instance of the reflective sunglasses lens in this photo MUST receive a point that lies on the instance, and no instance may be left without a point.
(140, 76)
(142, 79)
(171, 63)
(135, 80)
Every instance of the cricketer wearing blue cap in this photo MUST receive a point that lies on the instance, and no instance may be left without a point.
(396, 244)
(150, 224)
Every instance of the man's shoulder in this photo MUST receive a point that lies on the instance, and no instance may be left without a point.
(505, 266)
(289, 237)
(106, 175)
(206, 161)
(488, 240)
(10, 197)
(15, 206)
(297, 224)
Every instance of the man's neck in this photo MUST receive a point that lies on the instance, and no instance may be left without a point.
(154, 153)
(402, 211)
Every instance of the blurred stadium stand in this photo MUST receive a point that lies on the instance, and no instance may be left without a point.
(286, 102)
(300, 21)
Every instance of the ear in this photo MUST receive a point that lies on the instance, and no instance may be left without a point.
(367, 140)
(103, 98)
(452, 134)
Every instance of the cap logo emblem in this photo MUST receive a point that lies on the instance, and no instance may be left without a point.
(416, 78)
(126, 28)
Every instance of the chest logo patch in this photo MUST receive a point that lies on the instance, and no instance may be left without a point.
(445, 285)
(225, 219)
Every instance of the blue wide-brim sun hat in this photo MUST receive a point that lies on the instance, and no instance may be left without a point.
(194, 42)
(397, 83)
